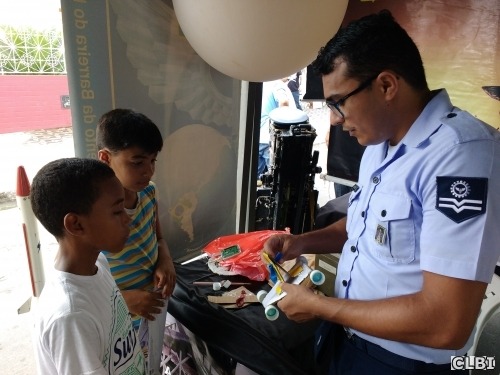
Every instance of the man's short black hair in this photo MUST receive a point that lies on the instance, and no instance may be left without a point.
(70, 185)
(370, 45)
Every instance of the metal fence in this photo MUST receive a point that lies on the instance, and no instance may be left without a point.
(31, 51)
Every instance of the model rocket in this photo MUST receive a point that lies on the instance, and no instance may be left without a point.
(30, 230)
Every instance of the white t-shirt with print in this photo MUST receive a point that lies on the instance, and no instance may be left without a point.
(83, 327)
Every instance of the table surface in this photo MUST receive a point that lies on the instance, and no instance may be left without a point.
(244, 334)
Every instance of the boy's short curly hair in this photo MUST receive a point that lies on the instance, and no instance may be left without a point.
(69, 185)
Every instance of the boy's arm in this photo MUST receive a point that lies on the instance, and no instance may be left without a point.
(142, 302)
(164, 270)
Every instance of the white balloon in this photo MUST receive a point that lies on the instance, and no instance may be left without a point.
(259, 40)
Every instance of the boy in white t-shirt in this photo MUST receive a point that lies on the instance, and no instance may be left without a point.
(83, 325)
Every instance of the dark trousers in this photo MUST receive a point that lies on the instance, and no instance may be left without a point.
(355, 356)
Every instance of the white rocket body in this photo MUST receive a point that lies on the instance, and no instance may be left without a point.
(30, 231)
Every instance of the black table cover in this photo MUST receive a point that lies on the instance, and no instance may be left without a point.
(244, 335)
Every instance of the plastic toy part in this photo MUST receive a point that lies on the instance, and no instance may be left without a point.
(317, 277)
(271, 312)
(273, 277)
(261, 295)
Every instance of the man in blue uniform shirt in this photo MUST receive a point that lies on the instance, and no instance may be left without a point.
(420, 240)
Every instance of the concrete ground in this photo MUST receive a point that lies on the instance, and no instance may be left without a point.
(33, 150)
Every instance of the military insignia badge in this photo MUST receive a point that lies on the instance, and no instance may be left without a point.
(461, 198)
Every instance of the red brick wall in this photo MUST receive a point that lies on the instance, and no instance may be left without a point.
(31, 102)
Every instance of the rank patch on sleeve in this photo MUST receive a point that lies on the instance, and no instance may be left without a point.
(461, 198)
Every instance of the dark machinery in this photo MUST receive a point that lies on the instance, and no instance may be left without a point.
(287, 198)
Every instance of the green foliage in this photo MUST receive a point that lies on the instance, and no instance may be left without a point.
(31, 51)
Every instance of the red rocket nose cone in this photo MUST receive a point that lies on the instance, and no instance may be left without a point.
(23, 184)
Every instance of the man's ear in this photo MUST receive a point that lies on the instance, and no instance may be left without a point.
(389, 82)
(104, 155)
(73, 224)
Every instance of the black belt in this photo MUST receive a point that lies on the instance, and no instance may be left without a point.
(392, 359)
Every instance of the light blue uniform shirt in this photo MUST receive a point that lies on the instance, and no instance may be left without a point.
(432, 203)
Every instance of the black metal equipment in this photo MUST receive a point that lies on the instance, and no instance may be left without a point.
(287, 198)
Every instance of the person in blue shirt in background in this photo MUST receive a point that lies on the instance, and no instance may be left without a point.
(420, 240)
(275, 94)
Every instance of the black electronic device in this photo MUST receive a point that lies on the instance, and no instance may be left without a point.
(287, 198)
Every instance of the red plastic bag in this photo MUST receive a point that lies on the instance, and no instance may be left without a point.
(239, 254)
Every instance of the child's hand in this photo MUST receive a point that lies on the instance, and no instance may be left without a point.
(143, 303)
(165, 276)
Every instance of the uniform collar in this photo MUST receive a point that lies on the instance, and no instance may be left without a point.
(429, 120)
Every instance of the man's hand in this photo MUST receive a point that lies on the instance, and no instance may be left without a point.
(286, 244)
(295, 304)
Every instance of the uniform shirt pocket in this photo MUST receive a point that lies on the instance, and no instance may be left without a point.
(392, 228)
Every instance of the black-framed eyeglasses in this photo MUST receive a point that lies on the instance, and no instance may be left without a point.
(335, 106)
